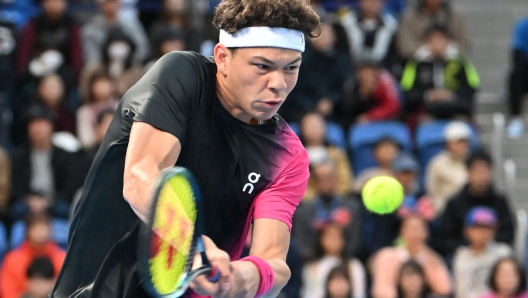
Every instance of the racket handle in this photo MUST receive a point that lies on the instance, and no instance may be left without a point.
(214, 276)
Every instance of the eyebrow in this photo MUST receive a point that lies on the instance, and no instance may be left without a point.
(273, 63)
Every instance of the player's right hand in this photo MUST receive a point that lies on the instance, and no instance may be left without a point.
(219, 259)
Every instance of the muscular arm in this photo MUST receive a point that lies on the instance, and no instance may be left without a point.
(270, 242)
(149, 151)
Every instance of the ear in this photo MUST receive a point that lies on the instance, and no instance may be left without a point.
(222, 57)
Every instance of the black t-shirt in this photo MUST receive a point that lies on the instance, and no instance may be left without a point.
(245, 172)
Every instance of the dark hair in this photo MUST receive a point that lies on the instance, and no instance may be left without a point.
(41, 267)
(97, 76)
(340, 271)
(415, 268)
(479, 155)
(520, 271)
(234, 15)
(439, 28)
(319, 251)
(116, 34)
(387, 139)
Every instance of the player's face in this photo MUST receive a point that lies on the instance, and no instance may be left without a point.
(256, 81)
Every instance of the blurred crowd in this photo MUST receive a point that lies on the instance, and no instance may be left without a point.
(387, 89)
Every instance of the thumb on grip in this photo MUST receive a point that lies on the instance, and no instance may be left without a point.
(214, 275)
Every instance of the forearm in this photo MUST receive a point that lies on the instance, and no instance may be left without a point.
(438, 278)
(140, 184)
(247, 274)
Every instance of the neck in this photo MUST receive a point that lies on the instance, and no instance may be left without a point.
(44, 145)
(370, 16)
(477, 249)
(478, 192)
(414, 249)
(225, 98)
(432, 8)
(111, 18)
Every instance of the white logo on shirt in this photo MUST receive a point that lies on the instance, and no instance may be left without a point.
(253, 178)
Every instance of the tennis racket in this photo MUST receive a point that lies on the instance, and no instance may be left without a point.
(173, 237)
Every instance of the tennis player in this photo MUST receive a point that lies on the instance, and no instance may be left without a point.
(217, 117)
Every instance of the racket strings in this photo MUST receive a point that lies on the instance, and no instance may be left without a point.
(175, 216)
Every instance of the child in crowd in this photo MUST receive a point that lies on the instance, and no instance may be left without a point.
(414, 231)
(100, 96)
(13, 275)
(313, 136)
(472, 264)
(507, 279)
(338, 283)
(331, 253)
(40, 278)
(412, 282)
(385, 152)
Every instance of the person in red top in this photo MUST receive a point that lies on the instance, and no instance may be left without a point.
(373, 96)
(13, 277)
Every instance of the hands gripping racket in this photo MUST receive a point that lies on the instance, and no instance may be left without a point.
(174, 236)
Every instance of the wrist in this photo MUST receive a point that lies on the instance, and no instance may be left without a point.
(265, 273)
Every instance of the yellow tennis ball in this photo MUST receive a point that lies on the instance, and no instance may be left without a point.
(382, 194)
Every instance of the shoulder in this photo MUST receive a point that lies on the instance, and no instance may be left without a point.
(293, 145)
(390, 21)
(179, 60)
(502, 249)
(460, 253)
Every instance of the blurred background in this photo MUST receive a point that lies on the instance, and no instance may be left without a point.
(430, 92)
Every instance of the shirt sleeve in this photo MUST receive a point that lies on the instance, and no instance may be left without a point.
(167, 95)
(281, 199)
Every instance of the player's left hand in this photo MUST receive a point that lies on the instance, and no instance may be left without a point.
(219, 259)
(246, 280)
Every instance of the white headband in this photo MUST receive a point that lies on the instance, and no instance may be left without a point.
(264, 37)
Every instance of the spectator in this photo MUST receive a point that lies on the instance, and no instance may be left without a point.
(386, 264)
(53, 31)
(437, 81)
(321, 76)
(327, 205)
(100, 96)
(5, 180)
(386, 150)
(373, 96)
(407, 170)
(51, 94)
(13, 277)
(338, 283)
(382, 230)
(412, 282)
(507, 279)
(118, 51)
(478, 192)
(8, 45)
(95, 32)
(166, 41)
(175, 15)
(447, 173)
(40, 278)
(40, 166)
(472, 264)
(426, 13)
(331, 253)
(518, 86)
(312, 134)
(371, 33)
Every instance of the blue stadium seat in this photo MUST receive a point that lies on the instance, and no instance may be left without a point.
(363, 137)
(4, 245)
(335, 134)
(430, 140)
(60, 228)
